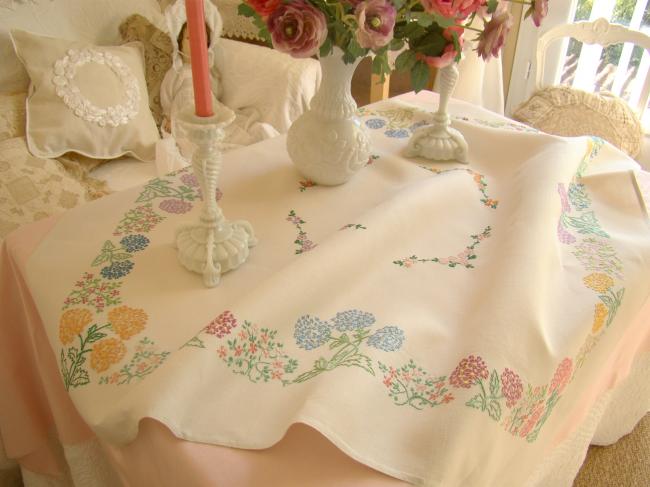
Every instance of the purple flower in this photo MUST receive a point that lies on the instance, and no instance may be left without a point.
(297, 28)
(376, 20)
(175, 206)
(493, 37)
(190, 180)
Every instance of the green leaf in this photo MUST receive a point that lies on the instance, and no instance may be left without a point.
(495, 384)
(100, 259)
(476, 402)
(95, 337)
(246, 10)
(355, 49)
(419, 76)
(359, 360)
(195, 342)
(424, 19)
(108, 246)
(492, 6)
(443, 22)
(494, 410)
(396, 44)
(121, 256)
(405, 61)
(80, 379)
(326, 47)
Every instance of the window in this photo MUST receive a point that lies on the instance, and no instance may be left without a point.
(620, 68)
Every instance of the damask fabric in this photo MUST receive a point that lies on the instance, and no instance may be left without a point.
(12, 115)
(32, 188)
(364, 311)
(86, 99)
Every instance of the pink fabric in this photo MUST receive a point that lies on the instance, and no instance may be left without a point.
(303, 458)
(33, 401)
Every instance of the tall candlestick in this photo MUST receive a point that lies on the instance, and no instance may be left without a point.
(199, 57)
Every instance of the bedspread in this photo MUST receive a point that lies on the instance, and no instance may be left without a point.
(443, 324)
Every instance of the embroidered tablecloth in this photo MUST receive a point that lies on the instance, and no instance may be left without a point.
(437, 322)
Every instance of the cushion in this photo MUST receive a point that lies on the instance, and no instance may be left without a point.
(12, 115)
(32, 188)
(87, 99)
(561, 110)
(157, 56)
(93, 21)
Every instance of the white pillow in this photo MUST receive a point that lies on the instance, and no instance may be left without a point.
(86, 99)
(93, 21)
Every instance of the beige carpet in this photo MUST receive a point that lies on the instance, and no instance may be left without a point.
(626, 463)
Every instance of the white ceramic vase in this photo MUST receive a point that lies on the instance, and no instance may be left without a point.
(328, 143)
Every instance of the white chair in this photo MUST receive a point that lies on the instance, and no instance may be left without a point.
(599, 32)
(567, 111)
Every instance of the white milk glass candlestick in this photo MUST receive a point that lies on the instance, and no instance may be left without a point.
(439, 141)
(214, 245)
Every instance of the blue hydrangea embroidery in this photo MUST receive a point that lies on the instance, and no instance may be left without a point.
(134, 243)
(388, 339)
(117, 269)
(375, 123)
(352, 320)
(311, 332)
(397, 133)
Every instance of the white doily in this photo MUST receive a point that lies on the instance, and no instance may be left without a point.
(65, 70)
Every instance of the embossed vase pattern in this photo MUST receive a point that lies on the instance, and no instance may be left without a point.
(328, 143)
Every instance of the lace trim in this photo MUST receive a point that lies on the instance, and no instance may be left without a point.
(65, 70)
(235, 25)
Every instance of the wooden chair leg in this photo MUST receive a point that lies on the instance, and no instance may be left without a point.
(378, 90)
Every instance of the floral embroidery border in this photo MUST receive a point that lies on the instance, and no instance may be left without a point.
(102, 340)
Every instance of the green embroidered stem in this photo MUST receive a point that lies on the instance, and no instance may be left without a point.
(74, 375)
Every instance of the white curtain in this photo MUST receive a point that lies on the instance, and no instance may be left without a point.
(480, 82)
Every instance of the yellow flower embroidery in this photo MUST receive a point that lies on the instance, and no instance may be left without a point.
(598, 282)
(72, 323)
(600, 313)
(106, 353)
(127, 321)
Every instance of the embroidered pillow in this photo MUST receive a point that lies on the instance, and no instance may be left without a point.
(12, 115)
(565, 111)
(87, 99)
(32, 188)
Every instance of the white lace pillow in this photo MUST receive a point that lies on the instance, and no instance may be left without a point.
(87, 99)
(12, 115)
(565, 111)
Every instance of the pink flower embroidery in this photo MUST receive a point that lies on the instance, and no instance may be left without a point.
(532, 421)
(562, 376)
(222, 352)
(222, 325)
(511, 387)
(468, 372)
(238, 350)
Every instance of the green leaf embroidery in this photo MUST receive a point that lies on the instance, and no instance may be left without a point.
(495, 384)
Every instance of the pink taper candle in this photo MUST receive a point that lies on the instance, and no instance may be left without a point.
(199, 57)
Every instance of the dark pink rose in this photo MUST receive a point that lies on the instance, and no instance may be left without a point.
(453, 9)
(540, 9)
(450, 52)
(493, 37)
(376, 20)
(297, 28)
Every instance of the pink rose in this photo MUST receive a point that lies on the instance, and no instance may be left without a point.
(540, 9)
(453, 9)
(449, 54)
(493, 37)
(297, 28)
(264, 7)
(376, 20)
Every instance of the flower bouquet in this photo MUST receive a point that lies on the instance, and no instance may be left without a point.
(327, 144)
(429, 33)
